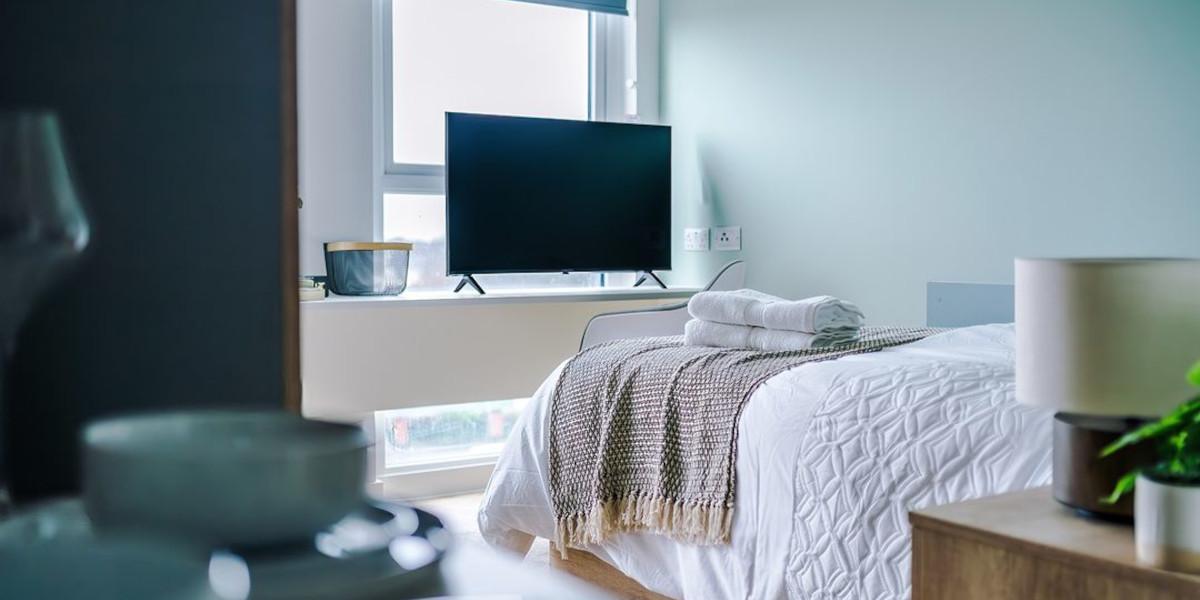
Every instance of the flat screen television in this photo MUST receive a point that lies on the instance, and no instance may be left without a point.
(526, 195)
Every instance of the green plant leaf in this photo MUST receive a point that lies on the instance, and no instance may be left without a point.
(1146, 432)
(1124, 485)
(1193, 375)
(1191, 446)
(1186, 409)
(1170, 424)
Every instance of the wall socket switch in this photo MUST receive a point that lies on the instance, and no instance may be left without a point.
(695, 239)
(727, 238)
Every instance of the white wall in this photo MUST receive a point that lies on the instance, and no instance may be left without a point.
(359, 357)
(337, 89)
(335, 103)
(868, 147)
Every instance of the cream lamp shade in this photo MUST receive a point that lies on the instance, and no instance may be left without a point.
(1106, 337)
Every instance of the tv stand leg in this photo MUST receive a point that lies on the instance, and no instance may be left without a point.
(467, 279)
(649, 275)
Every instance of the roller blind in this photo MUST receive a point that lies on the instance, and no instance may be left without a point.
(616, 7)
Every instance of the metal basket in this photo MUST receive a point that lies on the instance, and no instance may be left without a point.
(367, 268)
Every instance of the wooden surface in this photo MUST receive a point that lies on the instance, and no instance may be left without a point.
(289, 218)
(1025, 545)
(587, 567)
(472, 571)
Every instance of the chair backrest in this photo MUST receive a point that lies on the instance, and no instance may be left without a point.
(660, 320)
(731, 277)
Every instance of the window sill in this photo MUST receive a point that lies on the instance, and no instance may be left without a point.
(525, 296)
(471, 462)
(450, 481)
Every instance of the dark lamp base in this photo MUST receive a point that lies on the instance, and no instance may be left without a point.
(1081, 477)
(1095, 516)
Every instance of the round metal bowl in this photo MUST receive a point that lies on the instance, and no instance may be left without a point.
(220, 479)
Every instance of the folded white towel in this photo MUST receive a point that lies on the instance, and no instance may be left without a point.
(707, 333)
(754, 308)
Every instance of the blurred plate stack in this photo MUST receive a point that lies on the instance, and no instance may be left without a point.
(228, 505)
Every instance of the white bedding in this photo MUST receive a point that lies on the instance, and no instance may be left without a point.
(830, 457)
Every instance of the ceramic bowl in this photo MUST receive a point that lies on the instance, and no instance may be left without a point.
(221, 479)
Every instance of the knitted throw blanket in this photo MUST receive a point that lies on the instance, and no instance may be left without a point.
(643, 433)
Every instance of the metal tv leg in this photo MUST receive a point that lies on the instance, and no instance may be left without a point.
(471, 280)
(649, 274)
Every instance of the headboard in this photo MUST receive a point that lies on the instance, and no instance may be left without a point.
(951, 304)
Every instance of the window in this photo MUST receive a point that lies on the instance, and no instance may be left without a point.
(488, 56)
(414, 438)
(421, 219)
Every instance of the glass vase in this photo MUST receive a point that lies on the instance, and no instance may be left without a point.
(43, 229)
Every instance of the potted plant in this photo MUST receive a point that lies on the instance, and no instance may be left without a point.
(1166, 502)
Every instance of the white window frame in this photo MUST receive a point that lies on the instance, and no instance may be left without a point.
(615, 93)
(623, 87)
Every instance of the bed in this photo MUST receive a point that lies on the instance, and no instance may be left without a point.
(830, 458)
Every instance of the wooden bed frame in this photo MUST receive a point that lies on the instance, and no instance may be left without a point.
(948, 304)
(586, 566)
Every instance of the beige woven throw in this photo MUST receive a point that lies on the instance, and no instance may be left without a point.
(643, 433)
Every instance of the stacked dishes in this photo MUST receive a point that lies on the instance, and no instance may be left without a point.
(268, 504)
(221, 479)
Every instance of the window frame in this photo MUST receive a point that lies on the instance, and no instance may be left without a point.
(379, 422)
(416, 178)
(607, 81)
(617, 66)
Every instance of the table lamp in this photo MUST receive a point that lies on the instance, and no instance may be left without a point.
(1106, 343)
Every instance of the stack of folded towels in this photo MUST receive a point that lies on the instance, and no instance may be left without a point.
(758, 321)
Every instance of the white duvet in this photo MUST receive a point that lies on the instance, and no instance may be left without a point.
(830, 458)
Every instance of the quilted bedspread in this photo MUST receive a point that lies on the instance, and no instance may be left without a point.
(886, 441)
(830, 459)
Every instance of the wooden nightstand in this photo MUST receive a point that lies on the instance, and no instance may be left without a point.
(1025, 545)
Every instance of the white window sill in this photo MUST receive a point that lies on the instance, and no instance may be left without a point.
(463, 479)
(449, 464)
(522, 296)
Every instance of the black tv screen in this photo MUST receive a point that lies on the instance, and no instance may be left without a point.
(528, 195)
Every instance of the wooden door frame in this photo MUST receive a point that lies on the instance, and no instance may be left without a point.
(289, 238)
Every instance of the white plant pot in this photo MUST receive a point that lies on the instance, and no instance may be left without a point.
(1167, 525)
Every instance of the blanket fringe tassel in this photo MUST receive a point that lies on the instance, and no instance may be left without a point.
(684, 521)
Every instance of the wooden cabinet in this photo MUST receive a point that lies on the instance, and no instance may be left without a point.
(1025, 545)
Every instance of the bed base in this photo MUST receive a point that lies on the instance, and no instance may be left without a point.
(585, 566)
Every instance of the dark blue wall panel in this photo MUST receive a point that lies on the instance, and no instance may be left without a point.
(171, 113)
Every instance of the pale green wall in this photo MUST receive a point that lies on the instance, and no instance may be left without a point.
(866, 147)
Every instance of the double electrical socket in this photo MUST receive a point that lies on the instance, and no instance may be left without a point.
(723, 238)
(695, 239)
